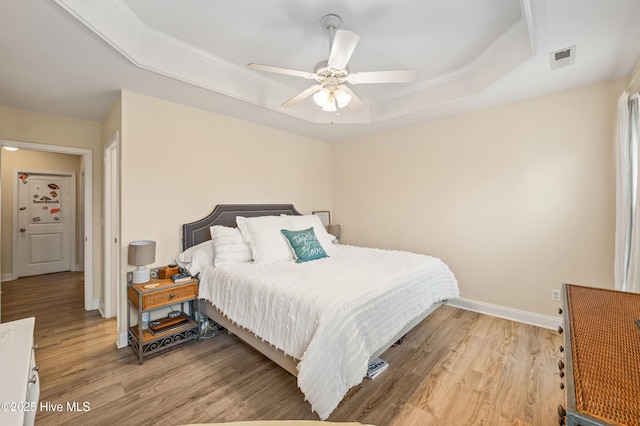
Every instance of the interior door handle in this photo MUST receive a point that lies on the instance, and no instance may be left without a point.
(22, 229)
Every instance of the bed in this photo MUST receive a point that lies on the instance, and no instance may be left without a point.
(322, 320)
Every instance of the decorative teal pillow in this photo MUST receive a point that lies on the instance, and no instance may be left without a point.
(305, 245)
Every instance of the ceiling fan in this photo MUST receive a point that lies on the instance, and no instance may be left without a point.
(331, 91)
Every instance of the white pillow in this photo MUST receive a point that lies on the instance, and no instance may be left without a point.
(228, 246)
(300, 223)
(195, 258)
(263, 235)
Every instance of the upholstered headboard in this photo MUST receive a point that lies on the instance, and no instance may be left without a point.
(225, 214)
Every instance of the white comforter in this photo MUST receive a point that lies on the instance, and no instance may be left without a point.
(332, 314)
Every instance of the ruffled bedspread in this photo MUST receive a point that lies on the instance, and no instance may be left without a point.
(332, 314)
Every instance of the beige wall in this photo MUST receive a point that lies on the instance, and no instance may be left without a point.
(47, 129)
(516, 199)
(178, 162)
(36, 161)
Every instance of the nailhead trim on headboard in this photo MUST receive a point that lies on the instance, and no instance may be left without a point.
(197, 232)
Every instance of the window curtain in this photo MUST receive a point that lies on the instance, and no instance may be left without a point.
(627, 239)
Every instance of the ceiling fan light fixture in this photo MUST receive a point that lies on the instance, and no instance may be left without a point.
(342, 97)
(321, 98)
(332, 99)
(330, 106)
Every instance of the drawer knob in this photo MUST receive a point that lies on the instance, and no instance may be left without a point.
(33, 379)
(561, 411)
(36, 347)
(561, 348)
(36, 368)
(561, 385)
(561, 373)
(560, 311)
(172, 295)
(560, 330)
(560, 364)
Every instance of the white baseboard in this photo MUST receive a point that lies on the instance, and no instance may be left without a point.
(544, 321)
(6, 277)
(122, 341)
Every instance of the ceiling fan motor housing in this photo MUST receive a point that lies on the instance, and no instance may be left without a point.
(331, 21)
(322, 69)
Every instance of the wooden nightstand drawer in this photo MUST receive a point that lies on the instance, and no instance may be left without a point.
(168, 296)
(158, 292)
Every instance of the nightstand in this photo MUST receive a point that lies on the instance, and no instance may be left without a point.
(162, 333)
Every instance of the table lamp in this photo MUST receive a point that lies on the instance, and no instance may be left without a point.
(334, 230)
(141, 254)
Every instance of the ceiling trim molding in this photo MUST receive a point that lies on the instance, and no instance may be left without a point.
(510, 50)
(155, 51)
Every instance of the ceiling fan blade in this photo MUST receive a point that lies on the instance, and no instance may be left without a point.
(302, 95)
(399, 76)
(344, 43)
(355, 104)
(285, 71)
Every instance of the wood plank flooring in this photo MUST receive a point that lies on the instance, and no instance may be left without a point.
(455, 368)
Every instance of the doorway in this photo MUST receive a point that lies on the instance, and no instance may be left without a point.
(87, 209)
(111, 236)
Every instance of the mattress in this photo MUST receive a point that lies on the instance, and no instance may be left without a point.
(332, 314)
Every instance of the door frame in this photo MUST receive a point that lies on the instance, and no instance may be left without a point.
(15, 267)
(87, 154)
(111, 233)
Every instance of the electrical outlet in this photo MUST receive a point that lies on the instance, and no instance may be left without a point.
(555, 295)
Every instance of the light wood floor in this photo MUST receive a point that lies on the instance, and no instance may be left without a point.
(455, 368)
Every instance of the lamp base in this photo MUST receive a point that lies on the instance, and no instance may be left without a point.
(141, 275)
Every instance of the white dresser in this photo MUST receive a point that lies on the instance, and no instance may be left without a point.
(20, 386)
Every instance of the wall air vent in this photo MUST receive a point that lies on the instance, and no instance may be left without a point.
(563, 57)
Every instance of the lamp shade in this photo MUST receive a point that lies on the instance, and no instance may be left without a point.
(334, 230)
(142, 252)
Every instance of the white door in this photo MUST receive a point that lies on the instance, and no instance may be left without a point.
(46, 223)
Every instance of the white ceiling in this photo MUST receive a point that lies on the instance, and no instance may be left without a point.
(71, 57)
